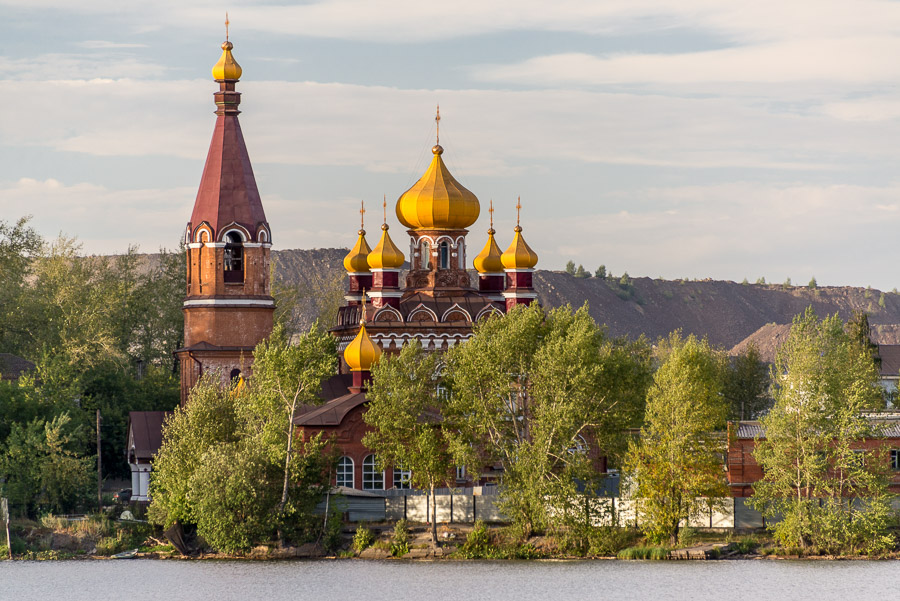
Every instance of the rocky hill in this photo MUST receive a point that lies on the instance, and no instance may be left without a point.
(728, 313)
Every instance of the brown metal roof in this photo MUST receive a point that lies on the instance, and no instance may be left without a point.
(888, 421)
(333, 412)
(890, 360)
(145, 432)
(13, 366)
(228, 191)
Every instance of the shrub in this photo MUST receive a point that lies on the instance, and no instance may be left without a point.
(400, 542)
(363, 538)
(654, 553)
(478, 543)
(331, 538)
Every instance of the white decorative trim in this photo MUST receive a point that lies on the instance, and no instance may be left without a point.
(488, 309)
(377, 270)
(234, 227)
(421, 307)
(219, 302)
(351, 297)
(492, 273)
(456, 307)
(388, 309)
(195, 245)
(520, 295)
(214, 244)
(519, 270)
(253, 244)
(384, 293)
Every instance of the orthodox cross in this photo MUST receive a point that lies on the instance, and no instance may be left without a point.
(518, 208)
(437, 121)
(226, 25)
(362, 214)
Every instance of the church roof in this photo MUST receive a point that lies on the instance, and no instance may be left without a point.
(13, 366)
(145, 433)
(228, 192)
(333, 412)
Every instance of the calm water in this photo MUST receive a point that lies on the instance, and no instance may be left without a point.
(148, 580)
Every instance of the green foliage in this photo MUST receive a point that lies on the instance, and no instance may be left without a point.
(332, 537)
(746, 282)
(625, 280)
(363, 538)
(746, 384)
(581, 272)
(812, 283)
(787, 284)
(859, 331)
(761, 281)
(594, 541)
(404, 411)
(533, 391)
(675, 465)
(570, 267)
(40, 469)
(228, 462)
(829, 496)
(601, 272)
(881, 301)
(400, 541)
(653, 553)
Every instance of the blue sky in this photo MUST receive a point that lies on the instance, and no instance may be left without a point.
(695, 139)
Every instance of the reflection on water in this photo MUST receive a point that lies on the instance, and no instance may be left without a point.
(149, 580)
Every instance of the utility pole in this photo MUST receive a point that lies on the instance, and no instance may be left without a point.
(99, 469)
(4, 514)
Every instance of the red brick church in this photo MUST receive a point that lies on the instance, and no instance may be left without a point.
(228, 307)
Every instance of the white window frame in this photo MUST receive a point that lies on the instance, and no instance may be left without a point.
(372, 479)
(340, 475)
(402, 479)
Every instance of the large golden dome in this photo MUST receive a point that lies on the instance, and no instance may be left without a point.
(357, 260)
(362, 353)
(519, 255)
(227, 67)
(437, 201)
(386, 255)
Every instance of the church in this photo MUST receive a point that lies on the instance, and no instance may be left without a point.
(228, 307)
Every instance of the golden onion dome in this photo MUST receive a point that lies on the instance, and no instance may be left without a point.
(361, 354)
(227, 67)
(437, 200)
(519, 255)
(386, 255)
(356, 260)
(489, 259)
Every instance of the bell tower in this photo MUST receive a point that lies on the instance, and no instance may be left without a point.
(228, 308)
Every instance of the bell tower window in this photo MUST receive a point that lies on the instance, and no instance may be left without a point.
(445, 254)
(234, 258)
(426, 254)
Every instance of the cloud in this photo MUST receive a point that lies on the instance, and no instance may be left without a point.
(103, 45)
(76, 66)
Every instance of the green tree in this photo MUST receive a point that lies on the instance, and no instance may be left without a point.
(581, 272)
(285, 377)
(746, 384)
(761, 281)
(570, 267)
(625, 280)
(813, 284)
(861, 333)
(404, 411)
(828, 492)
(601, 272)
(541, 394)
(675, 464)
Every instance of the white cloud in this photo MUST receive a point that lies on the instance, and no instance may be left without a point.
(76, 66)
(103, 45)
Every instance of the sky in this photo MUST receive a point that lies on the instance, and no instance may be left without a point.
(675, 139)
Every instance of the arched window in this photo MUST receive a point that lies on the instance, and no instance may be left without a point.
(344, 475)
(372, 478)
(234, 375)
(401, 478)
(445, 254)
(426, 255)
(234, 258)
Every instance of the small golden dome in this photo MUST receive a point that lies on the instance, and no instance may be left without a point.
(386, 255)
(519, 255)
(361, 354)
(227, 67)
(489, 259)
(356, 260)
(437, 200)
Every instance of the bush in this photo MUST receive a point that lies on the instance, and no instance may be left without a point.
(400, 542)
(478, 543)
(746, 545)
(332, 539)
(363, 538)
(654, 553)
(605, 541)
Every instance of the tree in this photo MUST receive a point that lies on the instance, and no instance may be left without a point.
(285, 377)
(859, 331)
(625, 280)
(829, 491)
(581, 272)
(570, 267)
(746, 384)
(813, 284)
(404, 411)
(601, 272)
(542, 394)
(675, 464)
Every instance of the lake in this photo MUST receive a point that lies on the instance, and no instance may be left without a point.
(323, 580)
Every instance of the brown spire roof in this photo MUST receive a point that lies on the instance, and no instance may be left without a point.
(228, 192)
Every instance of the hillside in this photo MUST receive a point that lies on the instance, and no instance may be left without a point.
(726, 312)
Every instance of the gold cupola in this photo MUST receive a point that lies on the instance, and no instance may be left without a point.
(386, 255)
(519, 255)
(362, 353)
(356, 260)
(489, 259)
(227, 67)
(437, 201)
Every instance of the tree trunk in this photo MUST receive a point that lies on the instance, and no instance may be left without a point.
(287, 457)
(434, 538)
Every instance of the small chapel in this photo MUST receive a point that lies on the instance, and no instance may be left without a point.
(228, 306)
